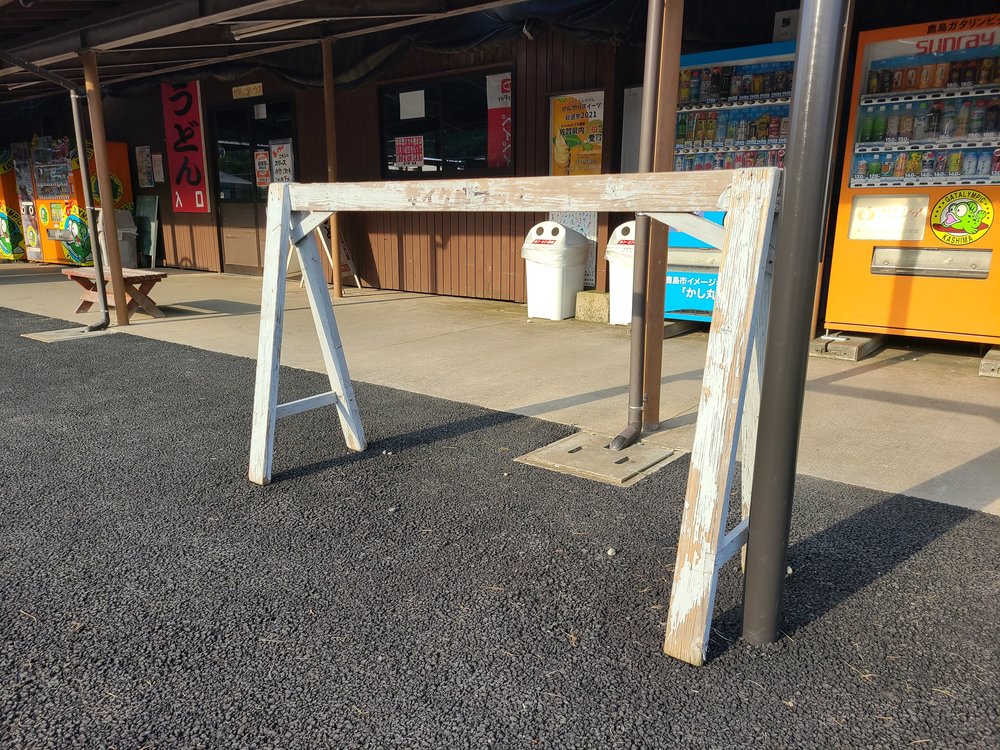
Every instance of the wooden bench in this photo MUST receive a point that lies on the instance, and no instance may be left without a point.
(138, 283)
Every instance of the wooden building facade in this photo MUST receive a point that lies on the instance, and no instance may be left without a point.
(468, 255)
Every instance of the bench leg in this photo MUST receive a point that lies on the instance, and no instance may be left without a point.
(88, 286)
(138, 298)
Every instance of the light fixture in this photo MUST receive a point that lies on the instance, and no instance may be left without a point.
(260, 28)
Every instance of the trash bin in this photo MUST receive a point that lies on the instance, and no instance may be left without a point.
(620, 253)
(555, 257)
(127, 232)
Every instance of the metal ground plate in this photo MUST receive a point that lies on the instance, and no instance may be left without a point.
(589, 456)
(64, 334)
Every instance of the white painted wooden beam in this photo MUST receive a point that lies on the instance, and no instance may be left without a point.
(697, 226)
(306, 404)
(655, 192)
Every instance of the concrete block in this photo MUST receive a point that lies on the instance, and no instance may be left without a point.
(844, 346)
(990, 365)
(593, 306)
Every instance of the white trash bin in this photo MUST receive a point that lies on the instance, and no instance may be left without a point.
(127, 243)
(555, 258)
(619, 254)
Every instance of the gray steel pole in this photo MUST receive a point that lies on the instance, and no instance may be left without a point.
(640, 261)
(819, 61)
(95, 247)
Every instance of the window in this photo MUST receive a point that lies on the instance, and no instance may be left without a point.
(448, 127)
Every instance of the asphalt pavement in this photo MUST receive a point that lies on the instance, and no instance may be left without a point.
(430, 592)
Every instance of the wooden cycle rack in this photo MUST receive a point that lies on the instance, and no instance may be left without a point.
(729, 401)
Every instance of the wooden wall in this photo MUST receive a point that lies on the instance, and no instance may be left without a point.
(472, 255)
(186, 240)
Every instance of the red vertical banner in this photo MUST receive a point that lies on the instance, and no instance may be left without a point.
(185, 135)
(499, 142)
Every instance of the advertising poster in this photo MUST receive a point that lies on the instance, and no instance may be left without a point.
(182, 124)
(282, 160)
(262, 167)
(144, 166)
(499, 124)
(576, 131)
(409, 151)
(158, 168)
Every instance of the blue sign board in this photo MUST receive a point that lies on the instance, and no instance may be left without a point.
(690, 295)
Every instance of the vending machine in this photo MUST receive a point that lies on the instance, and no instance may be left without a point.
(64, 236)
(914, 251)
(11, 234)
(733, 111)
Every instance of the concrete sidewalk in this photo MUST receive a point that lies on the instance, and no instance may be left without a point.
(915, 421)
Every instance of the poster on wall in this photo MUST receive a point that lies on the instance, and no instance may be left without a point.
(262, 167)
(409, 151)
(185, 136)
(144, 166)
(282, 160)
(500, 128)
(158, 168)
(576, 131)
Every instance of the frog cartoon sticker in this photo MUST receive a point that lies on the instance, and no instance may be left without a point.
(961, 217)
(75, 225)
(11, 239)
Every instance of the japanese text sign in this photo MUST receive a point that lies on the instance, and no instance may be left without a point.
(410, 151)
(185, 136)
(282, 162)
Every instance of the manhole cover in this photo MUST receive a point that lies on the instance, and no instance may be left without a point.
(588, 455)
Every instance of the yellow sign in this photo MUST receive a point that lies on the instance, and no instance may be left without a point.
(576, 130)
(962, 217)
(249, 91)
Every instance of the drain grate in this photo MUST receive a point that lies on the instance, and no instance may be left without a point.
(588, 455)
(64, 334)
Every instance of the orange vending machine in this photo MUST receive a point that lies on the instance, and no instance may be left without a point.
(915, 250)
(59, 206)
(11, 235)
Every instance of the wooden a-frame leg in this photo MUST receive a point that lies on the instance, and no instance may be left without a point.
(272, 311)
(329, 342)
(703, 544)
(751, 405)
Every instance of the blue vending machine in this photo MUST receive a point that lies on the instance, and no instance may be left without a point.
(733, 111)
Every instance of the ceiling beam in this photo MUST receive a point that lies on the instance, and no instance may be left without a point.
(457, 10)
(133, 23)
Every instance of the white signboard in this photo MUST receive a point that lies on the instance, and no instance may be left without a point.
(411, 105)
(888, 217)
(282, 161)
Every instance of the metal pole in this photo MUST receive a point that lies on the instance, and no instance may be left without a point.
(104, 183)
(651, 70)
(818, 68)
(663, 161)
(331, 161)
(95, 247)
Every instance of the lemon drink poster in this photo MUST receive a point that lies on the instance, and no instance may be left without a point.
(576, 131)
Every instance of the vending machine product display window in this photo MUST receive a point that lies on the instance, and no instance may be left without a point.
(733, 112)
(913, 252)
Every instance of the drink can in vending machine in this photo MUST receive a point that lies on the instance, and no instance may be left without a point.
(718, 161)
(736, 84)
(899, 169)
(739, 161)
(911, 78)
(954, 163)
(684, 94)
(726, 82)
(898, 79)
(781, 158)
(984, 164)
(873, 81)
(749, 159)
(729, 162)
(941, 75)
(927, 164)
(884, 80)
(747, 86)
(927, 76)
(679, 163)
(913, 166)
(772, 158)
(969, 164)
(774, 129)
(941, 164)
(706, 84)
(995, 168)
(861, 167)
(695, 85)
(722, 128)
